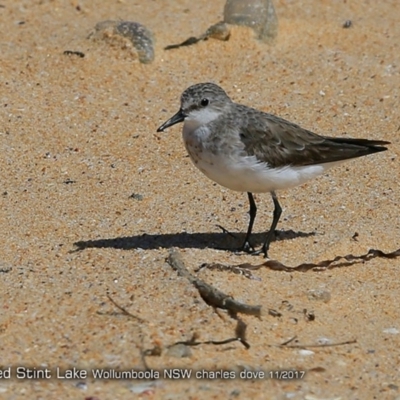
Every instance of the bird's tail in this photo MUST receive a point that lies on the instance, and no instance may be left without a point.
(373, 146)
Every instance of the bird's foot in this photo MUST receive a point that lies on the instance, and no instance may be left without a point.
(249, 249)
(246, 248)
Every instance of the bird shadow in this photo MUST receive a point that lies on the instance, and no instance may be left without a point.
(220, 241)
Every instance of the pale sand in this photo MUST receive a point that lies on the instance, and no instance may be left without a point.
(93, 121)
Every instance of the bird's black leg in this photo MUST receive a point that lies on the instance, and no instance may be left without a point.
(247, 247)
(277, 215)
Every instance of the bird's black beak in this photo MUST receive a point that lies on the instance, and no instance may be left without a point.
(178, 117)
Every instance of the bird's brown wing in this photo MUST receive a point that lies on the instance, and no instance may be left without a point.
(279, 142)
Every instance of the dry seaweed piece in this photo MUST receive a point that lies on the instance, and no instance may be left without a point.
(275, 265)
(240, 336)
(218, 31)
(74, 53)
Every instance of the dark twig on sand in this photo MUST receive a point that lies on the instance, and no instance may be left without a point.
(143, 353)
(302, 346)
(240, 336)
(126, 312)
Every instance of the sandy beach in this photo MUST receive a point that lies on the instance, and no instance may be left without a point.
(94, 200)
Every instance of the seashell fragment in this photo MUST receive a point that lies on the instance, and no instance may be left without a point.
(128, 35)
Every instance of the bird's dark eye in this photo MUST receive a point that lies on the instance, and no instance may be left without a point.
(204, 102)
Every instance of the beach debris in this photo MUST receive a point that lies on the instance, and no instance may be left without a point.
(126, 35)
(258, 15)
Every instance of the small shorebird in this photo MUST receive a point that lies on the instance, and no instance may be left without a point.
(251, 151)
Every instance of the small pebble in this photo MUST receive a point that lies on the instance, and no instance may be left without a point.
(347, 24)
(304, 352)
(145, 387)
(324, 340)
(309, 315)
(4, 269)
(392, 331)
(179, 351)
(81, 385)
(319, 295)
(136, 196)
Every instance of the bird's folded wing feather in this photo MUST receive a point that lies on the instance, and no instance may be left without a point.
(279, 143)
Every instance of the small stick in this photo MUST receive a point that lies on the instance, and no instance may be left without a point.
(142, 321)
(302, 346)
(209, 294)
